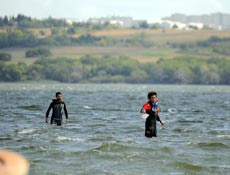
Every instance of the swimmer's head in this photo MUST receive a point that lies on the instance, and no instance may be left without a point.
(152, 96)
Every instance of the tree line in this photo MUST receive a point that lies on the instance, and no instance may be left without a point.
(109, 69)
(25, 38)
(22, 21)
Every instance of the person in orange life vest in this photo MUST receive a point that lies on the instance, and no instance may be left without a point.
(151, 108)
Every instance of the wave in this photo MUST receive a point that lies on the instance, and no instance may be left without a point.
(26, 131)
(109, 146)
(197, 111)
(190, 121)
(209, 144)
(87, 107)
(182, 130)
(35, 148)
(63, 138)
(223, 136)
(169, 150)
(6, 138)
(172, 110)
(113, 146)
(31, 107)
(188, 166)
(101, 138)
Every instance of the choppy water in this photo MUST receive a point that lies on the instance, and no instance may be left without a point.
(106, 132)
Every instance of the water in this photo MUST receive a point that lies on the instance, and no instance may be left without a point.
(106, 133)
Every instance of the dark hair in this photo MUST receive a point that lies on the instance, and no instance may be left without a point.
(150, 94)
(58, 93)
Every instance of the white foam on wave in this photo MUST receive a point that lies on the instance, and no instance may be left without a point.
(87, 107)
(64, 138)
(223, 136)
(172, 110)
(26, 131)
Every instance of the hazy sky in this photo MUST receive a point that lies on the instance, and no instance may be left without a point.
(152, 10)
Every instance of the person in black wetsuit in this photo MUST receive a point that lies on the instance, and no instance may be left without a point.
(58, 106)
(151, 108)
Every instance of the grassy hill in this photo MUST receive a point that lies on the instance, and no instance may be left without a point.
(162, 41)
(116, 55)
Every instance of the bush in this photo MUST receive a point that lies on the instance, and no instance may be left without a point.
(110, 69)
(38, 52)
(11, 73)
(71, 30)
(5, 57)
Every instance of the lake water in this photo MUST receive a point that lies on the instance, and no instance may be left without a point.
(105, 135)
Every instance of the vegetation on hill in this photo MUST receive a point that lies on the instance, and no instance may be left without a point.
(38, 52)
(119, 56)
(108, 69)
(5, 57)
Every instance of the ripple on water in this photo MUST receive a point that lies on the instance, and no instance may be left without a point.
(31, 107)
(208, 144)
(183, 130)
(172, 110)
(189, 121)
(26, 131)
(64, 138)
(2, 138)
(187, 166)
(227, 137)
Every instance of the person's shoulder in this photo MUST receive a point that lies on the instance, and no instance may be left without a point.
(53, 101)
(63, 102)
(147, 105)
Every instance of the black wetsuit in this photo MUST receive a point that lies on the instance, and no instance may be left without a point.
(58, 107)
(150, 123)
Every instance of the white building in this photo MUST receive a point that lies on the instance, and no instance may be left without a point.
(197, 25)
(171, 24)
(179, 25)
(116, 22)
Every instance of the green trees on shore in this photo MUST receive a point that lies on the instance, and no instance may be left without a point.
(108, 69)
(5, 57)
(38, 52)
(24, 38)
(23, 21)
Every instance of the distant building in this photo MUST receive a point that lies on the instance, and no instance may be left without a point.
(116, 22)
(72, 20)
(168, 24)
(172, 24)
(197, 25)
(217, 21)
(126, 22)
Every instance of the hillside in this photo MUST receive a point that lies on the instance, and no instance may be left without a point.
(104, 53)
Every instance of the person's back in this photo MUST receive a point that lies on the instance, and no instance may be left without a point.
(58, 107)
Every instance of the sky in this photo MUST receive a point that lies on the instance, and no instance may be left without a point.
(151, 10)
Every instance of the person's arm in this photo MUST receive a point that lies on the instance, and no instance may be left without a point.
(143, 110)
(66, 114)
(158, 118)
(146, 108)
(47, 113)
